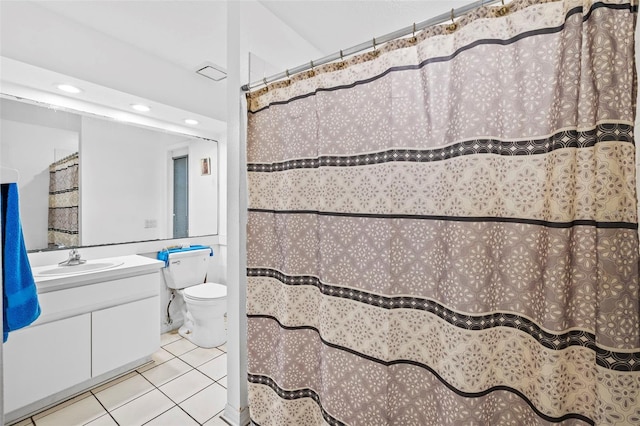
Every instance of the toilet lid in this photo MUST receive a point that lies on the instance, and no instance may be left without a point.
(206, 291)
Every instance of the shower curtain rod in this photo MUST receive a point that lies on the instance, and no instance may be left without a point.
(372, 43)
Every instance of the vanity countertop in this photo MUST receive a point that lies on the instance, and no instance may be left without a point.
(126, 266)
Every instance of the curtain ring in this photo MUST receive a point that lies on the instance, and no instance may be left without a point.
(453, 26)
(503, 10)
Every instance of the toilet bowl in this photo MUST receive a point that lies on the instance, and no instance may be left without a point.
(205, 304)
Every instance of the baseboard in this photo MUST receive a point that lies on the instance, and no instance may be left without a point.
(232, 416)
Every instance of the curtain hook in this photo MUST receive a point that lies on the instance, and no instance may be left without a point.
(341, 64)
(503, 10)
(375, 52)
(264, 80)
(414, 39)
(313, 71)
(453, 26)
(288, 76)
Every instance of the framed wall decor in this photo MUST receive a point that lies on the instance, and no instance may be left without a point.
(205, 166)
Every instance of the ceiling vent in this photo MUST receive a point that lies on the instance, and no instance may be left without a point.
(212, 71)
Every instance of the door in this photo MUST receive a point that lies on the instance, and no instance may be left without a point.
(181, 197)
(123, 334)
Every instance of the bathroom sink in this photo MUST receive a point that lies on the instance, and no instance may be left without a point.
(77, 269)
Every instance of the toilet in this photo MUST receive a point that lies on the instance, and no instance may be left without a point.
(205, 303)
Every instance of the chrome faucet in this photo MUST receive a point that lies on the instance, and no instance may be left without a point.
(74, 259)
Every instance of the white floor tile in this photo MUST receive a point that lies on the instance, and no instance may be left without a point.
(179, 347)
(207, 403)
(199, 356)
(173, 417)
(216, 421)
(216, 368)
(105, 420)
(61, 405)
(186, 385)
(143, 409)
(223, 381)
(162, 373)
(169, 337)
(79, 413)
(123, 392)
(161, 356)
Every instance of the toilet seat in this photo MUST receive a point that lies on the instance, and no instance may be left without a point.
(206, 291)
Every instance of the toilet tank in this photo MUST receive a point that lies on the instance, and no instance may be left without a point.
(187, 268)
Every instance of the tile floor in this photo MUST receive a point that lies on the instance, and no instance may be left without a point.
(184, 386)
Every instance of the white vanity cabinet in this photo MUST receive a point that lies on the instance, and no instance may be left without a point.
(92, 328)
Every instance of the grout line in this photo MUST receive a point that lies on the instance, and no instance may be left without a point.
(158, 387)
(216, 414)
(131, 400)
(170, 408)
(105, 409)
(185, 411)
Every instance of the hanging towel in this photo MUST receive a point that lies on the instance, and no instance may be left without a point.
(19, 293)
(164, 254)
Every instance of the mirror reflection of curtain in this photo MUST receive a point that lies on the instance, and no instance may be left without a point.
(63, 202)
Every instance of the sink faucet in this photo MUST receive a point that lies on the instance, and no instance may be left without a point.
(74, 259)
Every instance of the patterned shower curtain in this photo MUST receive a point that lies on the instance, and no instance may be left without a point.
(63, 202)
(444, 231)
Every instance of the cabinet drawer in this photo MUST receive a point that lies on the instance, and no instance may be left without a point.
(86, 298)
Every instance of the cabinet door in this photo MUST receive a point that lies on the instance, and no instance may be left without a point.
(44, 359)
(124, 334)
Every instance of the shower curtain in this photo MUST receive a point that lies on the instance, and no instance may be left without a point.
(443, 231)
(63, 202)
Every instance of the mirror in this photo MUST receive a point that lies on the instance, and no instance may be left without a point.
(131, 183)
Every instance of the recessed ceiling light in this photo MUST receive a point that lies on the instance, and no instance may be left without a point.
(140, 107)
(68, 88)
(191, 121)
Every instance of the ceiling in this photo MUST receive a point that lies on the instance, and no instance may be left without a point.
(151, 49)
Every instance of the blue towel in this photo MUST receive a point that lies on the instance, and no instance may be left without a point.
(164, 254)
(19, 292)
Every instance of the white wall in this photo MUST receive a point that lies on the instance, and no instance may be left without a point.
(251, 28)
(31, 148)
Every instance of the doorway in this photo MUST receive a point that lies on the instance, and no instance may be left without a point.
(181, 197)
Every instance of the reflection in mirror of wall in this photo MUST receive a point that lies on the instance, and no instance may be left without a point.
(124, 182)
